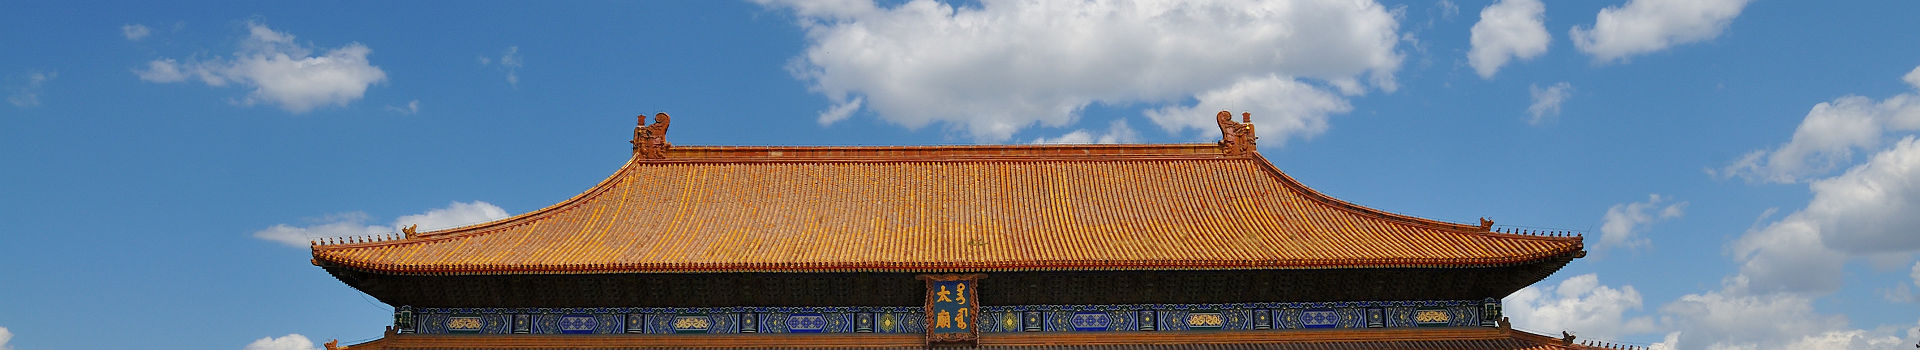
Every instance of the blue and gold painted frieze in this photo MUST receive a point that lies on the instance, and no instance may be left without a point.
(992, 319)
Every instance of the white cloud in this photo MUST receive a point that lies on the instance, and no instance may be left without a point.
(1870, 208)
(412, 107)
(1508, 29)
(1117, 132)
(840, 111)
(1787, 264)
(1004, 66)
(1915, 274)
(1579, 304)
(1845, 339)
(1671, 342)
(288, 342)
(135, 32)
(5, 336)
(164, 70)
(1729, 319)
(1913, 78)
(1623, 223)
(509, 61)
(354, 224)
(1787, 256)
(1736, 317)
(1447, 9)
(1546, 102)
(454, 215)
(1282, 108)
(1829, 136)
(1645, 26)
(279, 71)
(28, 95)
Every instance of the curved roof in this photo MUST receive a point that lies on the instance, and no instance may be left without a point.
(945, 208)
(1466, 338)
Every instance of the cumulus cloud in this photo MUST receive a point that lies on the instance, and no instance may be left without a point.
(279, 71)
(1829, 136)
(1508, 29)
(1579, 304)
(1846, 339)
(135, 32)
(1787, 256)
(1117, 132)
(1623, 223)
(1734, 318)
(5, 337)
(994, 69)
(1282, 109)
(288, 342)
(1863, 212)
(354, 224)
(1870, 208)
(28, 94)
(1913, 78)
(1546, 102)
(1787, 263)
(1671, 342)
(1645, 26)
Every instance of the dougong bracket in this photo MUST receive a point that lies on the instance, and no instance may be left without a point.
(650, 141)
(1236, 138)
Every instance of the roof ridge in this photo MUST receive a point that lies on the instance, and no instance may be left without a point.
(491, 226)
(1323, 198)
(737, 153)
(1446, 226)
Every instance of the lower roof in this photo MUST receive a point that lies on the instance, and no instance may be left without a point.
(1474, 338)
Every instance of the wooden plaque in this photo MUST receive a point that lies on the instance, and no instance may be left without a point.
(953, 310)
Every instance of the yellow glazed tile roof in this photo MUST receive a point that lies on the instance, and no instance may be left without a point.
(944, 208)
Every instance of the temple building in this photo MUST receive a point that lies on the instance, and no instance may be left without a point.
(1085, 246)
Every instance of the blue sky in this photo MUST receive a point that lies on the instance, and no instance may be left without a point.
(1745, 173)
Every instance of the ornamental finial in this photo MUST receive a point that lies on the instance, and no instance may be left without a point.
(1236, 138)
(650, 141)
(411, 231)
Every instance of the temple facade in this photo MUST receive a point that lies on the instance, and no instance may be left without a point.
(1169, 245)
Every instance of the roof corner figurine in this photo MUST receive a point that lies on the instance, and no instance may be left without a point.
(1236, 139)
(650, 141)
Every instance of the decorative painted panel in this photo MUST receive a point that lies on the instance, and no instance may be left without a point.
(464, 324)
(576, 324)
(1431, 317)
(806, 323)
(1205, 321)
(991, 318)
(1090, 321)
(1319, 318)
(692, 323)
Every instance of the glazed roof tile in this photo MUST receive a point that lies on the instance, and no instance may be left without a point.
(945, 208)
(1408, 339)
